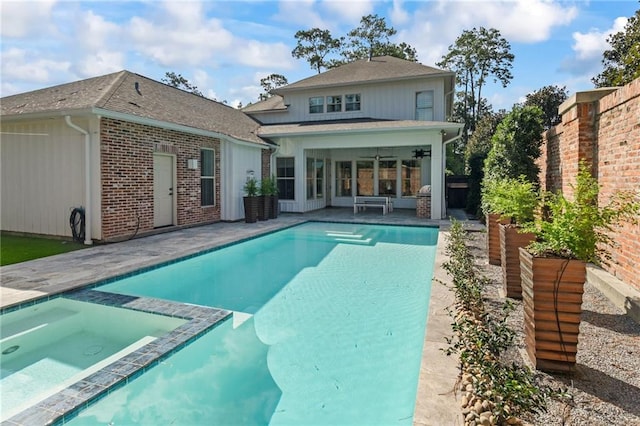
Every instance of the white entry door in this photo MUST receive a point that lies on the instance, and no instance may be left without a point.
(162, 190)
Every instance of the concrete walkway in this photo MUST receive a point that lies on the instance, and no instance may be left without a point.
(436, 404)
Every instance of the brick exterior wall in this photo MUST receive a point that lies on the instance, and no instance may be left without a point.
(423, 206)
(604, 130)
(126, 161)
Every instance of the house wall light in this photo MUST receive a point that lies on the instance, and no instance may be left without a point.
(192, 164)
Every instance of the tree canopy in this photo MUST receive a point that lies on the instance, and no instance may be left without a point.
(516, 145)
(270, 82)
(475, 56)
(548, 99)
(622, 61)
(314, 46)
(371, 38)
(178, 81)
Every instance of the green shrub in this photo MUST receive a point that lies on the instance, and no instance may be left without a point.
(580, 229)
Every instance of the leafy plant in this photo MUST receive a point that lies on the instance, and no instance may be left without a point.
(269, 186)
(251, 187)
(580, 229)
(508, 391)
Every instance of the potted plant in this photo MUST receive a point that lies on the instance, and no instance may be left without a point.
(273, 194)
(553, 267)
(265, 199)
(492, 192)
(251, 200)
(517, 204)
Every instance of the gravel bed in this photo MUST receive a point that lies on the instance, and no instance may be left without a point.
(605, 388)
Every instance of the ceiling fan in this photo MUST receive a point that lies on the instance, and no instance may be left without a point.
(377, 157)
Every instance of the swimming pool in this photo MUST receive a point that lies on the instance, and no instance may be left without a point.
(51, 345)
(329, 321)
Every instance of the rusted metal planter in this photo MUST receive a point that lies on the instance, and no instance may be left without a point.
(552, 291)
(510, 241)
(493, 238)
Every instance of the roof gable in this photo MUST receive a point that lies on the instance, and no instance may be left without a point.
(133, 94)
(378, 69)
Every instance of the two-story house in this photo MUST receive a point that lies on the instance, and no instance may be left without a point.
(370, 127)
(138, 155)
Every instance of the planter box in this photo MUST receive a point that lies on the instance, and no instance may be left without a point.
(265, 207)
(510, 241)
(273, 213)
(251, 207)
(493, 238)
(552, 291)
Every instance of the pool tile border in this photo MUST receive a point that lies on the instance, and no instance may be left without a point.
(67, 403)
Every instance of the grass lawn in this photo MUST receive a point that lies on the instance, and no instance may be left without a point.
(15, 249)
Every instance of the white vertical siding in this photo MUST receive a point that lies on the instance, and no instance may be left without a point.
(42, 176)
(236, 160)
(393, 101)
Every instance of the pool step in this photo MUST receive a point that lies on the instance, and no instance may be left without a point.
(31, 322)
(350, 237)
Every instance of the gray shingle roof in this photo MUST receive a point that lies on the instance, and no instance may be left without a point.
(274, 103)
(129, 93)
(354, 125)
(381, 68)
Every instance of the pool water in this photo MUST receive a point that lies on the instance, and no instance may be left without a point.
(333, 320)
(48, 346)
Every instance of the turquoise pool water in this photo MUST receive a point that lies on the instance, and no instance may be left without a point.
(47, 347)
(329, 329)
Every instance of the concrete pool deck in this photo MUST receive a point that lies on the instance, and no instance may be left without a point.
(436, 403)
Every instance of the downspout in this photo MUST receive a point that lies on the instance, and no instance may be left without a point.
(87, 180)
(444, 169)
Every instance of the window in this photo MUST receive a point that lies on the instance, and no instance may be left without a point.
(387, 172)
(343, 179)
(365, 177)
(411, 176)
(334, 103)
(315, 178)
(207, 177)
(285, 175)
(424, 106)
(352, 102)
(316, 105)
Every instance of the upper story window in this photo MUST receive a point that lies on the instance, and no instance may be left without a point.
(424, 106)
(316, 105)
(334, 103)
(352, 102)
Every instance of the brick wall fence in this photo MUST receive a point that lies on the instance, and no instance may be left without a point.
(603, 127)
(126, 163)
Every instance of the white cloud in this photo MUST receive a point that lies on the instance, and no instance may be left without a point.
(592, 44)
(20, 18)
(256, 54)
(302, 13)
(94, 32)
(348, 11)
(20, 65)
(526, 21)
(100, 62)
(398, 15)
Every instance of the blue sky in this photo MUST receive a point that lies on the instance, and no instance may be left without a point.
(225, 47)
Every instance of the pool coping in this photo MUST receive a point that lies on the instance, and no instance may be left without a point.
(67, 403)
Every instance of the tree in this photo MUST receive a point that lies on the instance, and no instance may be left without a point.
(315, 45)
(178, 81)
(476, 55)
(622, 61)
(515, 146)
(548, 99)
(476, 152)
(271, 82)
(371, 39)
